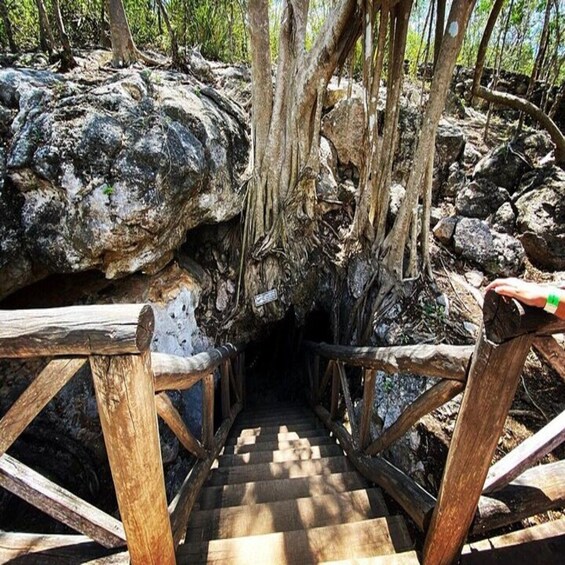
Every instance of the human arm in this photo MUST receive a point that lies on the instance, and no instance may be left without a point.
(530, 293)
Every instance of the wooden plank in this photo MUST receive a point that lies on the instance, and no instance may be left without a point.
(527, 454)
(59, 503)
(506, 318)
(208, 412)
(334, 403)
(348, 403)
(552, 353)
(379, 536)
(326, 378)
(126, 405)
(233, 380)
(36, 396)
(416, 501)
(55, 549)
(109, 329)
(446, 361)
(286, 515)
(316, 379)
(537, 490)
(173, 372)
(491, 385)
(258, 492)
(280, 455)
(181, 505)
(543, 544)
(173, 419)
(404, 558)
(433, 398)
(369, 377)
(225, 389)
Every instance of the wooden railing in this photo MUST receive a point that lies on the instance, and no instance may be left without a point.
(129, 384)
(488, 376)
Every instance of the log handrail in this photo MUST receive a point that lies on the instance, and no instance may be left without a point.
(109, 329)
(129, 383)
(488, 375)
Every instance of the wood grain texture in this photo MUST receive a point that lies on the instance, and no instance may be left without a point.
(56, 549)
(552, 353)
(181, 505)
(59, 503)
(208, 412)
(527, 454)
(125, 399)
(334, 402)
(110, 329)
(35, 397)
(415, 501)
(433, 398)
(225, 389)
(173, 419)
(369, 377)
(506, 318)
(537, 490)
(348, 403)
(173, 372)
(446, 361)
(491, 385)
(543, 544)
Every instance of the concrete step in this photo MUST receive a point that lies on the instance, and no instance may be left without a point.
(258, 492)
(286, 515)
(378, 536)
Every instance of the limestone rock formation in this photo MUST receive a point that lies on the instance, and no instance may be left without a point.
(480, 199)
(111, 175)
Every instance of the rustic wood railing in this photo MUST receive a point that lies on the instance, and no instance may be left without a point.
(129, 384)
(488, 375)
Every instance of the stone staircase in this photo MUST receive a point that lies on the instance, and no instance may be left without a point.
(283, 492)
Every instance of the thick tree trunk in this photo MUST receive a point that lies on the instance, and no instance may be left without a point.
(67, 59)
(4, 13)
(46, 40)
(440, 28)
(394, 246)
(124, 51)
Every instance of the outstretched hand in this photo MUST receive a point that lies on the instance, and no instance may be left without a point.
(529, 293)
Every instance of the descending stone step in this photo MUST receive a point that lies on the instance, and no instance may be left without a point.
(282, 489)
(277, 437)
(286, 515)
(378, 536)
(280, 455)
(276, 445)
(284, 470)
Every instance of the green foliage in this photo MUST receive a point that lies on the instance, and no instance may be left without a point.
(108, 190)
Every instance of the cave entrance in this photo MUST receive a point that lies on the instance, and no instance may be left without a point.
(275, 364)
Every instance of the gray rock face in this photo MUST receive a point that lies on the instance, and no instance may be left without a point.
(445, 229)
(503, 166)
(497, 253)
(343, 126)
(480, 199)
(504, 219)
(111, 177)
(327, 184)
(541, 217)
(450, 142)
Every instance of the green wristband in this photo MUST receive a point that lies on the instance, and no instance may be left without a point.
(552, 303)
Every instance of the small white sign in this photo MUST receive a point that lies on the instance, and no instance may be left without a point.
(266, 297)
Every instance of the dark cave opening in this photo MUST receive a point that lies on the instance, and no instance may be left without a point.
(276, 363)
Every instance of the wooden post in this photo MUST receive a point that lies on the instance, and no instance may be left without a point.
(126, 404)
(335, 392)
(491, 386)
(208, 411)
(369, 377)
(316, 380)
(225, 385)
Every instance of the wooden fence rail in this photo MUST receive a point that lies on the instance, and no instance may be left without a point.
(129, 384)
(488, 375)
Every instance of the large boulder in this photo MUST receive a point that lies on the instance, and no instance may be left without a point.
(496, 253)
(540, 204)
(343, 126)
(112, 176)
(450, 143)
(480, 199)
